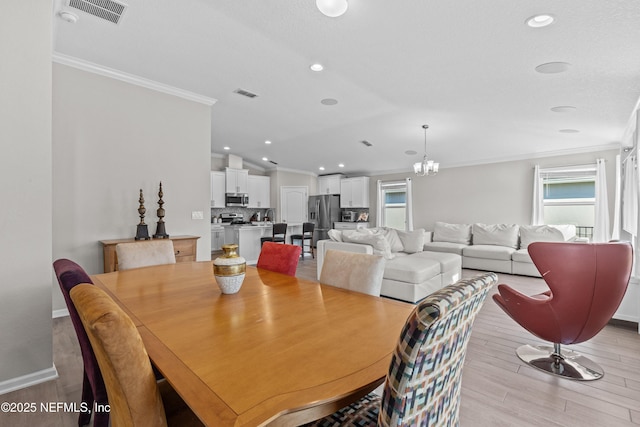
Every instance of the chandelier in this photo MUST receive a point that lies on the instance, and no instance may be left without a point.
(426, 166)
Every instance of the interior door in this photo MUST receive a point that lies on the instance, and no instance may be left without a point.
(293, 204)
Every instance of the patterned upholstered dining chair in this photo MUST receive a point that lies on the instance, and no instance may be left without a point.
(135, 398)
(422, 387)
(69, 275)
(281, 258)
(145, 253)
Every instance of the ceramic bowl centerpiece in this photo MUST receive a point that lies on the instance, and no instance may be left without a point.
(229, 269)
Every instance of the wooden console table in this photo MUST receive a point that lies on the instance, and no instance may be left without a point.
(184, 247)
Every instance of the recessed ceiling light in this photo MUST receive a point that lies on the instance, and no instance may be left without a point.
(410, 152)
(329, 101)
(563, 109)
(267, 142)
(341, 165)
(553, 67)
(332, 8)
(316, 67)
(226, 148)
(539, 21)
(68, 16)
(321, 168)
(265, 159)
(569, 130)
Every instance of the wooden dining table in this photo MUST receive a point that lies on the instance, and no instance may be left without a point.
(281, 351)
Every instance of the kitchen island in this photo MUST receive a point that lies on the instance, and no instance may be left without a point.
(247, 237)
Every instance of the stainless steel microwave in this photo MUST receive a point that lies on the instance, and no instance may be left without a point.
(237, 199)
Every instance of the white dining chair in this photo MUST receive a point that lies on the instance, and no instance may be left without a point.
(145, 253)
(353, 271)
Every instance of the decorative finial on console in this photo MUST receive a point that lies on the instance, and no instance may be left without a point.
(160, 231)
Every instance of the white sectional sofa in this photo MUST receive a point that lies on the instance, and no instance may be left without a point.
(496, 247)
(410, 273)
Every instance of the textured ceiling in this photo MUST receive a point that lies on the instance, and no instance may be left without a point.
(465, 67)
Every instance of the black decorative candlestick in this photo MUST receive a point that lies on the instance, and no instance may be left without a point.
(142, 232)
(160, 231)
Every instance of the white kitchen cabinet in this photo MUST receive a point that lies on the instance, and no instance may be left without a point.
(329, 184)
(259, 191)
(217, 189)
(350, 225)
(237, 180)
(354, 192)
(217, 237)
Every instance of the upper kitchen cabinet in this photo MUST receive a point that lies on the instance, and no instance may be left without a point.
(329, 184)
(354, 192)
(217, 189)
(237, 180)
(259, 191)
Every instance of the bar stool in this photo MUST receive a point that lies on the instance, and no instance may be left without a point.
(279, 234)
(307, 234)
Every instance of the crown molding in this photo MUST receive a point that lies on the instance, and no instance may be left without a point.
(101, 70)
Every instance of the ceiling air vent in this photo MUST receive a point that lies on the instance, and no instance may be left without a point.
(109, 10)
(245, 93)
(367, 143)
(271, 161)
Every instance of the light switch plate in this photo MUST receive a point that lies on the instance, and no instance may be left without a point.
(197, 215)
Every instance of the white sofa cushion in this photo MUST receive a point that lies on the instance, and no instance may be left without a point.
(521, 255)
(489, 252)
(452, 248)
(539, 233)
(377, 241)
(412, 241)
(409, 269)
(452, 233)
(496, 234)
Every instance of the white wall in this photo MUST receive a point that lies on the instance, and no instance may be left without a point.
(111, 139)
(491, 193)
(25, 172)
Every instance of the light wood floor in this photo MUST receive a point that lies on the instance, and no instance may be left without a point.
(497, 388)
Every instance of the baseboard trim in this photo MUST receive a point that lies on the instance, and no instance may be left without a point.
(63, 312)
(28, 380)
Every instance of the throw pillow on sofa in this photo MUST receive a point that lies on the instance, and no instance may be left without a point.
(496, 234)
(391, 234)
(539, 233)
(412, 241)
(335, 235)
(379, 244)
(452, 233)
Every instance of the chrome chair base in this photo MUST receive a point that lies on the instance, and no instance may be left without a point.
(565, 363)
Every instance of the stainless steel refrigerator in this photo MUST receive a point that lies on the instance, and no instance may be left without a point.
(324, 210)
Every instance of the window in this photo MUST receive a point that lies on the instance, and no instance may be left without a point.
(394, 204)
(569, 197)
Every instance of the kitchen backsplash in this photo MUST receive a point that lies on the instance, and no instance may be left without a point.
(245, 212)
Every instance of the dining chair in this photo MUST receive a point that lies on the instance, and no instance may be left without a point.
(422, 387)
(278, 234)
(307, 235)
(281, 258)
(587, 282)
(70, 274)
(135, 398)
(145, 253)
(353, 271)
